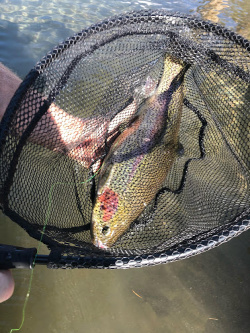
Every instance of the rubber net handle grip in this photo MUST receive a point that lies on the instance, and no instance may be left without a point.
(16, 257)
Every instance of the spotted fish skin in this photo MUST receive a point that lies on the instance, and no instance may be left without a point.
(139, 159)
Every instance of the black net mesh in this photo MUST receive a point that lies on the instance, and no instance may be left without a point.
(128, 144)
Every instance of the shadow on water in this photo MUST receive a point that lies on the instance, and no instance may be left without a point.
(204, 294)
(20, 50)
(16, 55)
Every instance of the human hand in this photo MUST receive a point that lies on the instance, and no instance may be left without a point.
(81, 139)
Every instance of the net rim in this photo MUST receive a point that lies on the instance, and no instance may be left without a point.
(133, 16)
(178, 253)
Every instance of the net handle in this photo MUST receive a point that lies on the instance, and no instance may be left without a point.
(16, 257)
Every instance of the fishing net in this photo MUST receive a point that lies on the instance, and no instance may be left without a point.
(128, 144)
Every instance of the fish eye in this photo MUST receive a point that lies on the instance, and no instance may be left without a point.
(105, 230)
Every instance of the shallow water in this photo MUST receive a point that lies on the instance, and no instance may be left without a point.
(206, 293)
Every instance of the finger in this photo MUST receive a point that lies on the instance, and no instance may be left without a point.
(6, 285)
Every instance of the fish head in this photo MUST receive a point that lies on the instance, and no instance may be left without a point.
(107, 218)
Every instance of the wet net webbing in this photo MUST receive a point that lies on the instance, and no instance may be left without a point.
(130, 141)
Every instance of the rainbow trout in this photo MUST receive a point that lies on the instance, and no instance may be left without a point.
(139, 159)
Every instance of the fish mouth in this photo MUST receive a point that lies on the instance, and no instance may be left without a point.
(98, 243)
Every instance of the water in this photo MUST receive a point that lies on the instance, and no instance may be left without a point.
(206, 293)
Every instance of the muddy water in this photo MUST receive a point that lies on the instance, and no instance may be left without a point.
(206, 293)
